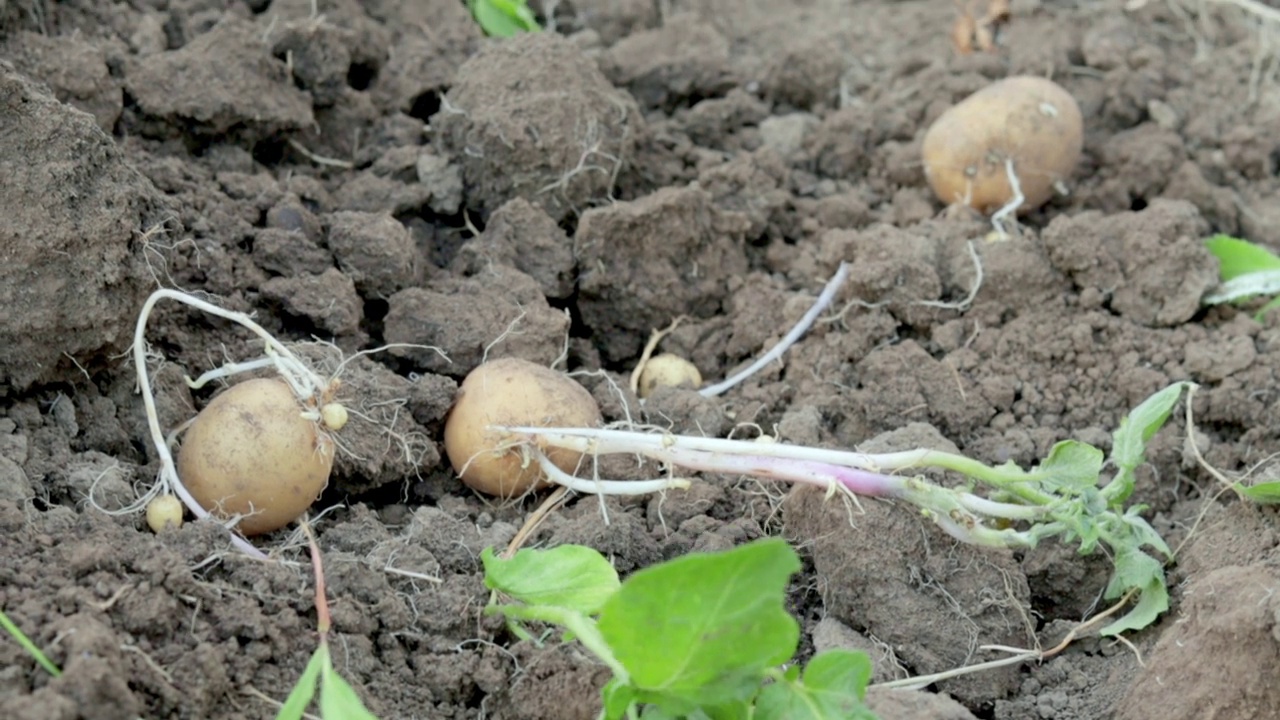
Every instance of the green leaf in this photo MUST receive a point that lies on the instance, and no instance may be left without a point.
(1266, 493)
(1071, 465)
(1136, 569)
(338, 700)
(701, 630)
(1129, 447)
(833, 688)
(300, 697)
(493, 21)
(1142, 532)
(503, 18)
(1086, 528)
(617, 698)
(570, 576)
(839, 671)
(736, 710)
(1238, 257)
(653, 712)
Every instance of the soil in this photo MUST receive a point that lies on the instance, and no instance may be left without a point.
(367, 174)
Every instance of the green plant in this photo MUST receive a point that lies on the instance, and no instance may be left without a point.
(1063, 497)
(21, 638)
(703, 636)
(338, 700)
(503, 18)
(1246, 270)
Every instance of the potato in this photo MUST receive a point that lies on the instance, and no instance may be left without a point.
(164, 512)
(1031, 120)
(511, 391)
(667, 370)
(250, 452)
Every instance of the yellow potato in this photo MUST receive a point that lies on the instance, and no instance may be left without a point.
(511, 391)
(164, 512)
(1030, 120)
(667, 370)
(250, 452)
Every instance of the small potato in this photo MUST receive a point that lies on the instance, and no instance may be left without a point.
(164, 512)
(250, 452)
(511, 391)
(667, 370)
(1031, 120)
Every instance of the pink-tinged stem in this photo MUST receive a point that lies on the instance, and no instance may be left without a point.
(861, 482)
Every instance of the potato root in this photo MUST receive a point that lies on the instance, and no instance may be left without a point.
(251, 452)
(511, 391)
(1030, 120)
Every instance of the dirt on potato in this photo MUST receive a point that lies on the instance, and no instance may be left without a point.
(357, 175)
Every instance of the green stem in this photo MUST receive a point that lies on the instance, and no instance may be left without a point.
(582, 627)
(1011, 479)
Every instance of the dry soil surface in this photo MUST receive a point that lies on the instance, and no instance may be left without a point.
(359, 174)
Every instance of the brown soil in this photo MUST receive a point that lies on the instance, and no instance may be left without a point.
(715, 159)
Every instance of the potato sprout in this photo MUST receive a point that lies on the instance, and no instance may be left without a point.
(334, 416)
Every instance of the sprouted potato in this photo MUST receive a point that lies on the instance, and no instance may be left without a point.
(1025, 126)
(511, 391)
(253, 453)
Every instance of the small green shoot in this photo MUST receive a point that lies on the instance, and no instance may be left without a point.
(703, 636)
(503, 18)
(1263, 493)
(338, 700)
(21, 638)
(1246, 270)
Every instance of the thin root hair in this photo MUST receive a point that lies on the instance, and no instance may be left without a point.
(509, 330)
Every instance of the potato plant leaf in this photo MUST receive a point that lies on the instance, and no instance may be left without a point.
(1143, 534)
(1071, 465)
(833, 687)
(701, 630)
(1267, 493)
(618, 697)
(1238, 257)
(1246, 271)
(573, 577)
(338, 700)
(503, 18)
(1129, 444)
(1136, 569)
(300, 697)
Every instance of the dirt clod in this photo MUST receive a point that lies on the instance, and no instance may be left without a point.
(72, 253)
(534, 118)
